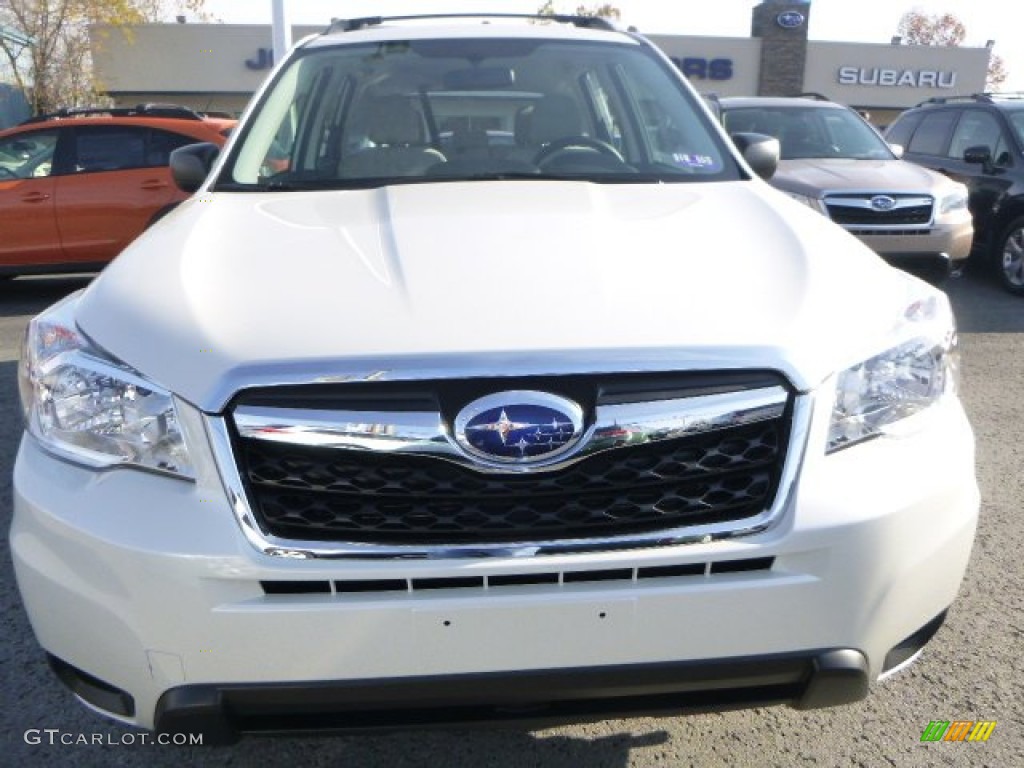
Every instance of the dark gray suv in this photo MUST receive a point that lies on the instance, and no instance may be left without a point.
(979, 140)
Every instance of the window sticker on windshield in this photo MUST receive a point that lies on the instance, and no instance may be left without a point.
(704, 162)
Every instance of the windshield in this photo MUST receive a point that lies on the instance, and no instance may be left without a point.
(436, 110)
(27, 155)
(1016, 117)
(811, 131)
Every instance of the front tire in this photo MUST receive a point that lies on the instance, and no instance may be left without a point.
(1009, 257)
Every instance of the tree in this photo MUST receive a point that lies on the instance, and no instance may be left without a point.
(997, 73)
(606, 10)
(917, 28)
(55, 69)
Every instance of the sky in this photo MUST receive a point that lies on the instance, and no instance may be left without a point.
(862, 21)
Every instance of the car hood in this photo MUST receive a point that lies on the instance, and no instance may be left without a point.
(812, 177)
(444, 279)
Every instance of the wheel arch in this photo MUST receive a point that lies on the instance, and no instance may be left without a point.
(1010, 208)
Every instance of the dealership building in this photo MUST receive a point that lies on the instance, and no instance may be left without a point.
(217, 67)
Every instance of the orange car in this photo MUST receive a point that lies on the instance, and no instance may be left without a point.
(77, 186)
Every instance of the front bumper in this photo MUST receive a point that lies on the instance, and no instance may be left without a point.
(949, 239)
(146, 584)
(807, 681)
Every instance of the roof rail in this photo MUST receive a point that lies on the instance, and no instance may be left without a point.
(148, 110)
(988, 97)
(1008, 95)
(585, 22)
(813, 95)
(979, 97)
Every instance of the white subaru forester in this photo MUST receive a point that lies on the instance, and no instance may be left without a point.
(482, 378)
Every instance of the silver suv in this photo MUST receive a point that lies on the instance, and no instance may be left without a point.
(835, 162)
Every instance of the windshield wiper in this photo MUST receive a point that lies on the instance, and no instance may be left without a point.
(270, 186)
(297, 185)
(307, 185)
(603, 178)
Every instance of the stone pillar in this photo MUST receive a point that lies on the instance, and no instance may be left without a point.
(782, 27)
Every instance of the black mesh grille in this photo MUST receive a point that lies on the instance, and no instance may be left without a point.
(327, 494)
(898, 217)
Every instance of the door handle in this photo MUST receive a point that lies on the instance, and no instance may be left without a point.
(154, 184)
(35, 197)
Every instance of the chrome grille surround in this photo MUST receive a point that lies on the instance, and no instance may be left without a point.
(903, 211)
(424, 435)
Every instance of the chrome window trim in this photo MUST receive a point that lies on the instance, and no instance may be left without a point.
(220, 443)
(425, 433)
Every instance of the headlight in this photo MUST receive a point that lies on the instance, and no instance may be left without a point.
(875, 396)
(954, 201)
(89, 408)
(810, 202)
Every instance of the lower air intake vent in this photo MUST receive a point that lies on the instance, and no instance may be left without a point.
(353, 587)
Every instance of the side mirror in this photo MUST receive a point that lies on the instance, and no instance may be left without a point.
(191, 164)
(980, 155)
(897, 149)
(762, 152)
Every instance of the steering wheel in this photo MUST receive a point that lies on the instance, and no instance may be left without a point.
(572, 142)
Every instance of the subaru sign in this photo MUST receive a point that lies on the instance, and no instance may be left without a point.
(790, 20)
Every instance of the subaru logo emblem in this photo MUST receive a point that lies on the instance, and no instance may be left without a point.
(519, 427)
(790, 19)
(882, 203)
